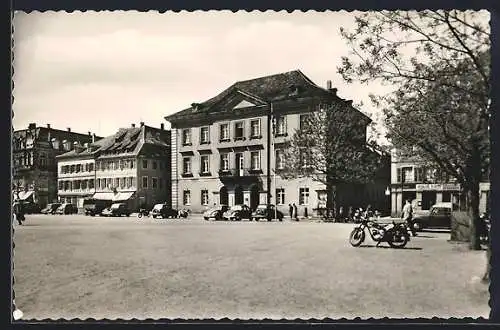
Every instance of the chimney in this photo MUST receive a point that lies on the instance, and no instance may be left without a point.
(349, 103)
(69, 129)
(142, 123)
(133, 125)
(49, 137)
(32, 126)
(48, 126)
(329, 84)
(93, 138)
(90, 133)
(162, 126)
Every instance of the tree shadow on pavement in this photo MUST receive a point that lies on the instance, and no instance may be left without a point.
(425, 236)
(388, 247)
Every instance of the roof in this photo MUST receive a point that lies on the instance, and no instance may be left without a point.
(126, 141)
(263, 90)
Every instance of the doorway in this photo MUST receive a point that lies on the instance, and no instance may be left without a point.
(224, 200)
(254, 196)
(239, 161)
(238, 195)
(428, 199)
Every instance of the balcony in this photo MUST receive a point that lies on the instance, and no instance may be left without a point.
(239, 173)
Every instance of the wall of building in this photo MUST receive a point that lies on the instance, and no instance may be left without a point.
(149, 194)
(87, 173)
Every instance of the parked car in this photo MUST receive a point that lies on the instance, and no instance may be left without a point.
(163, 211)
(216, 212)
(50, 208)
(94, 207)
(67, 208)
(116, 210)
(237, 212)
(439, 216)
(262, 211)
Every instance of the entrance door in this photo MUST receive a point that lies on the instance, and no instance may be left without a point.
(238, 195)
(254, 196)
(239, 163)
(224, 200)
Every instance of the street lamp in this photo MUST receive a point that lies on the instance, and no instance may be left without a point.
(388, 194)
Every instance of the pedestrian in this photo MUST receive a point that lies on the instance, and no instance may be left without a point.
(349, 213)
(19, 213)
(341, 214)
(407, 216)
(295, 214)
(290, 210)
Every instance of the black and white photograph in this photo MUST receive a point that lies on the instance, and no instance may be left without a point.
(251, 164)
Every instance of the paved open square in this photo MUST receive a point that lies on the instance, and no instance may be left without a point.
(77, 266)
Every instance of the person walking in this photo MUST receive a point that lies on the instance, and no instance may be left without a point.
(18, 212)
(407, 216)
(295, 214)
(290, 211)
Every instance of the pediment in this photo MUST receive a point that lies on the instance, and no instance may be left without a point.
(244, 104)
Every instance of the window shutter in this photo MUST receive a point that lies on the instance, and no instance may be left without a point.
(399, 175)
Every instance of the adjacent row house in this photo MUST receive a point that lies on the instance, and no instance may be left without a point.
(34, 152)
(131, 166)
(229, 149)
(413, 179)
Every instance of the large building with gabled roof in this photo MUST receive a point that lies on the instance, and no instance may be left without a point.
(132, 166)
(221, 147)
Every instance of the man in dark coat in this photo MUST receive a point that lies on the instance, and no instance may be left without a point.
(290, 210)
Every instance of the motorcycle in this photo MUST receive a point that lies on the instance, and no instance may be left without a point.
(396, 235)
(183, 213)
(143, 213)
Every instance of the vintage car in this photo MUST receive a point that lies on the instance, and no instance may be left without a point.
(116, 210)
(94, 207)
(163, 211)
(439, 216)
(215, 213)
(237, 212)
(267, 212)
(50, 208)
(67, 208)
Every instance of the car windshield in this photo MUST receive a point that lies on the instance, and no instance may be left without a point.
(158, 207)
(236, 207)
(115, 206)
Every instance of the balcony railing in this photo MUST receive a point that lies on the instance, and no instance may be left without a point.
(239, 172)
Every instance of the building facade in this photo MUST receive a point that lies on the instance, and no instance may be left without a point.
(221, 148)
(34, 152)
(413, 179)
(130, 166)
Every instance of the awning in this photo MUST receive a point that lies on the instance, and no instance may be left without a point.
(123, 196)
(104, 196)
(23, 195)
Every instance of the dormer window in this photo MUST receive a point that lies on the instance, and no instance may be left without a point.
(55, 144)
(66, 145)
(195, 106)
(293, 90)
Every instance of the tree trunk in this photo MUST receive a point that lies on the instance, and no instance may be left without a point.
(330, 199)
(473, 210)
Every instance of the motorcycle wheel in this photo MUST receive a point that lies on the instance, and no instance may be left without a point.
(398, 243)
(139, 215)
(357, 237)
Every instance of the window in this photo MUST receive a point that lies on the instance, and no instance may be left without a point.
(91, 167)
(239, 132)
(155, 165)
(98, 183)
(204, 135)
(78, 168)
(205, 164)
(91, 184)
(405, 173)
(255, 160)
(132, 163)
(72, 169)
(117, 165)
(304, 121)
(304, 196)
(224, 132)
(280, 159)
(280, 196)
(204, 197)
(419, 174)
(109, 183)
(154, 183)
(144, 163)
(255, 128)
(122, 183)
(145, 182)
(186, 137)
(281, 125)
(224, 162)
(43, 159)
(117, 183)
(186, 197)
(60, 185)
(186, 165)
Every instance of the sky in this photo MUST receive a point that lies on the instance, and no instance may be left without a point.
(101, 71)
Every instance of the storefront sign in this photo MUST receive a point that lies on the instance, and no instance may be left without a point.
(437, 186)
